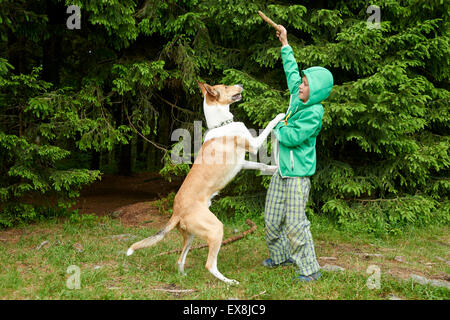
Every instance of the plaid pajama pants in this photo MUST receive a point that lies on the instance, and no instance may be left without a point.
(287, 228)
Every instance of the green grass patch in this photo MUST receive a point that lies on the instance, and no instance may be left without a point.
(106, 272)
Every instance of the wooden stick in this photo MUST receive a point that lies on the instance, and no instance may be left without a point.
(225, 242)
(257, 295)
(268, 20)
(175, 290)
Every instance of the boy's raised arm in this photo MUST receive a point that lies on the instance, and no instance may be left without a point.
(289, 64)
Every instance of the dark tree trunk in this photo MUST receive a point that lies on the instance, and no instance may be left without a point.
(125, 159)
(51, 60)
(95, 160)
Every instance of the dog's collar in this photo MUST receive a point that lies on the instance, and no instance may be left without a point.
(223, 123)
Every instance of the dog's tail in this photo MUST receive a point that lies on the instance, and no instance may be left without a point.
(150, 241)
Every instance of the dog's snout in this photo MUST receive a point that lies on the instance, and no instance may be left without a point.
(240, 86)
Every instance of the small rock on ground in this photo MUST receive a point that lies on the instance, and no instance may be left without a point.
(44, 243)
(77, 246)
(393, 297)
(443, 260)
(400, 259)
(432, 282)
(331, 267)
(368, 255)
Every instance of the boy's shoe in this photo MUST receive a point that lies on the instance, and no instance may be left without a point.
(270, 264)
(312, 277)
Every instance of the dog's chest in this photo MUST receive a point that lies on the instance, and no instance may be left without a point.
(233, 129)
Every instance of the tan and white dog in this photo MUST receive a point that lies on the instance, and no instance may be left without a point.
(220, 158)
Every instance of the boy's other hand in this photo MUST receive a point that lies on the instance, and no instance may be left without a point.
(282, 35)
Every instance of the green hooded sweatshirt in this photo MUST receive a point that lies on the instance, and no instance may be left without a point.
(297, 134)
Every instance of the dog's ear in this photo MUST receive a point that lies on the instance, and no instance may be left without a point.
(202, 87)
(207, 89)
(211, 91)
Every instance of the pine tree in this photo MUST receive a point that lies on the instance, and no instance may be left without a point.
(130, 72)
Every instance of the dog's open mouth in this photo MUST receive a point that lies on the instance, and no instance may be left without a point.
(237, 97)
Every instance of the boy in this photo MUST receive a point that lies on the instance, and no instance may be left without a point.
(288, 235)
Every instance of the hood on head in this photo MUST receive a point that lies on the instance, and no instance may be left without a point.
(320, 81)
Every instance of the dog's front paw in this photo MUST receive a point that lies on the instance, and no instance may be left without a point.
(269, 170)
(280, 117)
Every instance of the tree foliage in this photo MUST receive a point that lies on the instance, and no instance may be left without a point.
(128, 77)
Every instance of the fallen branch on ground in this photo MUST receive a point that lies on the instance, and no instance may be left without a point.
(257, 295)
(175, 290)
(225, 242)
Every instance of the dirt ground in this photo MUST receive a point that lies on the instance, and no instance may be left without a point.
(128, 198)
(131, 199)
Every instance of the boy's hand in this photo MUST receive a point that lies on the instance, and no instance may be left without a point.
(282, 35)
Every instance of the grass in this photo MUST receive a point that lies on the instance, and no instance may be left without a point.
(107, 273)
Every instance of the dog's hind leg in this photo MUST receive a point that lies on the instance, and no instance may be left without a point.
(206, 226)
(214, 238)
(187, 242)
(211, 263)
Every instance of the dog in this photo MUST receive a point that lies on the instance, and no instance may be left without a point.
(220, 158)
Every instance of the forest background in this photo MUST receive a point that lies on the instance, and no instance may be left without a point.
(105, 98)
